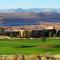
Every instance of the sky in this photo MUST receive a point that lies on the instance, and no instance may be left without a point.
(26, 4)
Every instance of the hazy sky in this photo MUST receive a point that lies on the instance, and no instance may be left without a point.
(29, 4)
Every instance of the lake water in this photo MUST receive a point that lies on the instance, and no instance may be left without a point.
(25, 21)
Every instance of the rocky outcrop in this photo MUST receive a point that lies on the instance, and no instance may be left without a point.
(29, 57)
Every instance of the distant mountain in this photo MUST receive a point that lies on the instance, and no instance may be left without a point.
(18, 17)
(36, 10)
(27, 18)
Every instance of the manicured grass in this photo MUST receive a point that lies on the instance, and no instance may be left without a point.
(29, 46)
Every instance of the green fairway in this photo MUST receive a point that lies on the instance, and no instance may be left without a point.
(29, 46)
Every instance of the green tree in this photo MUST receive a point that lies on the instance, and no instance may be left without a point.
(50, 34)
(43, 36)
(11, 35)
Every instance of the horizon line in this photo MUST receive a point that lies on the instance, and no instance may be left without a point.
(29, 8)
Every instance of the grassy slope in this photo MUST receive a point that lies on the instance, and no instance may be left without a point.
(16, 46)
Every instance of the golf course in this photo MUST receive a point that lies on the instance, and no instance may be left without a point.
(29, 46)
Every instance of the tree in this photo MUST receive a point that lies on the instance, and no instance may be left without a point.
(43, 36)
(11, 35)
(50, 34)
(2, 30)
